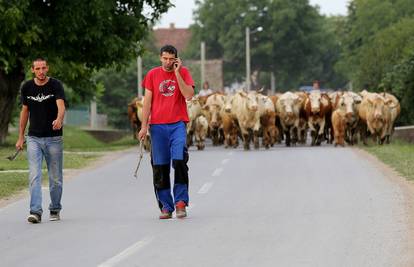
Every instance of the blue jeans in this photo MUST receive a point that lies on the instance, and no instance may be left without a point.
(50, 148)
(169, 145)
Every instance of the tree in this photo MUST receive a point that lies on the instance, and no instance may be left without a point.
(366, 20)
(77, 37)
(120, 86)
(289, 41)
(400, 81)
(379, 47)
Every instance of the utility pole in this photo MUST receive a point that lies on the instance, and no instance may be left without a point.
(139, 76)
(203, 62)
(248, 85)
(248, 80)
(272, 82)
(93, 119)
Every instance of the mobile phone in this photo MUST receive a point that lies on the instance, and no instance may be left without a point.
(175, 63)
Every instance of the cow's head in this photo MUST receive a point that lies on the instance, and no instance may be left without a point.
(315, 101)
(350, 100)
(250, 101)
(378, 104)
(228, 102)
(288, 101)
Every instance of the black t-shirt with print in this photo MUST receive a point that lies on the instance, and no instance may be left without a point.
(41, 101)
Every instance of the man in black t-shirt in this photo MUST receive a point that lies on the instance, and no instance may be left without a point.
(43, 105)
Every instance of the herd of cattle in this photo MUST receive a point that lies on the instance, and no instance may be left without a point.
(336, 117)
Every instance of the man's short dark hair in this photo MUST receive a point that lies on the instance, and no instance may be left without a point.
(38, 59)
(169, 49)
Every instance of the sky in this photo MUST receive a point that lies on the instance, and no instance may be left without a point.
(182, 14)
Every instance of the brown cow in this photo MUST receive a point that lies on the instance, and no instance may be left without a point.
(375, 116)
(267, 113)
(303, 124)
(135, 118)
(395, 110)
(317, 108)
(279, 127)
(338, 124)
(193, 110)
(245, 108)
(230, 125)
(211, 110)
(346, 117)
(200, 131)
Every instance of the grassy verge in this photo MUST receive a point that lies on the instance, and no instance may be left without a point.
(11, 183)
(75, 140)
(399, 155)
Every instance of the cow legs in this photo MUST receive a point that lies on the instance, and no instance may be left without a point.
(215, 136)
(321, 132)
(287, 133)
(313, 131)
(256, 139)
(314, 137)
(190, 138)
(246, 138)
(362, 129)
(200, 142)
(246, 141)
(266, 137)
(220, 136)
(234, 137)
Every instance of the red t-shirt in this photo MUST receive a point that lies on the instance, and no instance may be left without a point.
(168, 104)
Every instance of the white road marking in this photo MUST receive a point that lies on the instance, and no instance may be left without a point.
(217, 172)
(224, 161)
(204, 189)
(126, 253)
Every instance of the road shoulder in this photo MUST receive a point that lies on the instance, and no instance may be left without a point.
(407, 188)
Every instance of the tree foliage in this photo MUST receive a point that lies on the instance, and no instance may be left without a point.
(378, 46)
(120, 86)
(292, 45)
(77, 37)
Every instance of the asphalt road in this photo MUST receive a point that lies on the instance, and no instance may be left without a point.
(299, 206)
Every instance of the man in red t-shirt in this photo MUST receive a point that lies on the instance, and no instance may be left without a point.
(166, 89)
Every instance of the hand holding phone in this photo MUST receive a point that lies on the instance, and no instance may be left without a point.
(177, 63)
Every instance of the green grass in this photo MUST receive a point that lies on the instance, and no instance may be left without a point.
(74, 140)
(11, 183)
(399, 155)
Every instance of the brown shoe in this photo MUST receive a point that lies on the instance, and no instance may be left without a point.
(165, 214)
(34, 218)
(180, 211)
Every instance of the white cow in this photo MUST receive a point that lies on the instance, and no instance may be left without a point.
(245, 108)
(288, 110)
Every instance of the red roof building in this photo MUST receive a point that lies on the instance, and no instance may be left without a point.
(178, 37)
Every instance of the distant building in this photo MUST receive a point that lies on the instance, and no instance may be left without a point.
(178, 37)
